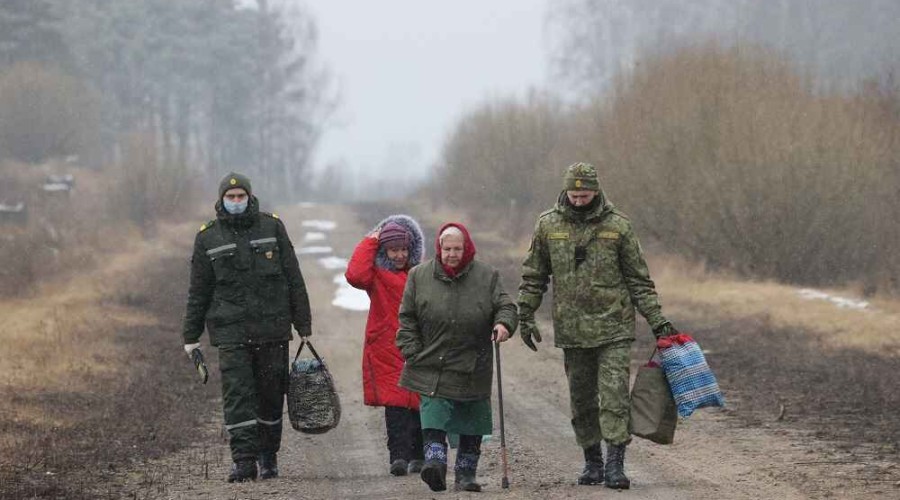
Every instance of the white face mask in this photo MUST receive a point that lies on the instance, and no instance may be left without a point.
(235, 207)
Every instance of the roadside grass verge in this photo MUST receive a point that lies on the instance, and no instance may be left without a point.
(94, 377)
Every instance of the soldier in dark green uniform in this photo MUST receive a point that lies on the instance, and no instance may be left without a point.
(587, 248)
(246, 287)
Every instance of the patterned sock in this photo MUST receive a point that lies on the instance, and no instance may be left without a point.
(436, 452)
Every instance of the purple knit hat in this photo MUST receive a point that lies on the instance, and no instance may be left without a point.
(394, 235)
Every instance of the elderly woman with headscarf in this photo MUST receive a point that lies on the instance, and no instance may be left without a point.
(379, 266)
(453, 308)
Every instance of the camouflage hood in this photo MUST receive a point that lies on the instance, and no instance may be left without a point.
(416, 242)
(601, 207)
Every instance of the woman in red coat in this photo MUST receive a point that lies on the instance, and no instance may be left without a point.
(379, 266)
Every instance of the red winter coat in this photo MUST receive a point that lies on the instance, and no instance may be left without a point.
(382, 362)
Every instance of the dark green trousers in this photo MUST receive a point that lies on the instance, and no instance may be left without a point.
(254, 381)
(598, 393)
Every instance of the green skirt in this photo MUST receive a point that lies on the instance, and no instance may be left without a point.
(470, 418)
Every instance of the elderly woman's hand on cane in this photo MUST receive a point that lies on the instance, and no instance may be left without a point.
(500, 334)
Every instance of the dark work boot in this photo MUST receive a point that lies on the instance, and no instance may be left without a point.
(434, 472)
(398, 467)
(268, 466)
(415, 466)
(243, 470)
(615, 468)
(593, 466)
(465, 469)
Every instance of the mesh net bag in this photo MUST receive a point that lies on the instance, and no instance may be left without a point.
(313, 403)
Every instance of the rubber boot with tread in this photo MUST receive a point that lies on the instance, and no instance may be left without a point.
(434, 471)
(465, 470)
(399, 467)
(268, 466)
(243, 470)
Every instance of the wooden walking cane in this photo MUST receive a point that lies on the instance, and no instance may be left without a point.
(505, 481)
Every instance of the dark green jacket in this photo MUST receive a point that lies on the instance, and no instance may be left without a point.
(445, 330)
(594, 301)
(246, 284)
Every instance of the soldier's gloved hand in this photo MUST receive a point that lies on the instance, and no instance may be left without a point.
(304, 333)
(529, 331)
(664, 330)
(189, 348)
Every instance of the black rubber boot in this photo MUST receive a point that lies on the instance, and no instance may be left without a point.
(615, 468)
(243, 470)
(268, 466)
(466, 467)
(593, 466)
(398, 467)
(415, 466)
(434, 472)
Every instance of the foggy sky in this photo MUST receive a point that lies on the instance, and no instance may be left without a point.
(407, 69)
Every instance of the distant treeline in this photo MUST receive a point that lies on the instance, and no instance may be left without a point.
(727, 155)
(204, 85)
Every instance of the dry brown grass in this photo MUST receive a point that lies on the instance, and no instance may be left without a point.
(709, 298)
(87, 357)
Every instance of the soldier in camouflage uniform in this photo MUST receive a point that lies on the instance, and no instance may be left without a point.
(588, 249)
(246, 287)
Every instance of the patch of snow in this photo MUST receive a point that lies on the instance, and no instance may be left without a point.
(18, 207)
(347, 297)
(321, 225)
(333, 262)
(314, 237)
(311, 250)
(842, 302)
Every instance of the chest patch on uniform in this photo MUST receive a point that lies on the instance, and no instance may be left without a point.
(608, 235)
(558, 236)
(269, 254)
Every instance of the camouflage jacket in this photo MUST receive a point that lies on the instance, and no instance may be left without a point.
(594, 299)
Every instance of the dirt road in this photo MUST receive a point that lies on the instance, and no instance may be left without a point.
(715, 457)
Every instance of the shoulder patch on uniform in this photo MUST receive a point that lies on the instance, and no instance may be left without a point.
(208, 225)
(620, 213)
(274, 216)
(608, 235)
(558, 236)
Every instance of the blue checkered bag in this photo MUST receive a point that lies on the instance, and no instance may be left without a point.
(693, 383)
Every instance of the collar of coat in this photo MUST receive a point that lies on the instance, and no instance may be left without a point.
(439, 273)
(565, 208)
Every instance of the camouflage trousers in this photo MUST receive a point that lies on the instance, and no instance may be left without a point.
(254, 381)
(598, 392)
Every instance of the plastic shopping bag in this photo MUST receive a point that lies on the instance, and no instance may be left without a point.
(693, 383)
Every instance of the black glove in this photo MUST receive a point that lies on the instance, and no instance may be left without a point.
(664, 330)
(200, 364)
(529, 331)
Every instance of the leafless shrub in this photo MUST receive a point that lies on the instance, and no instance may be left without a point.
(500, 160)
(730, 156)
(146, 189)
(726, 155)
